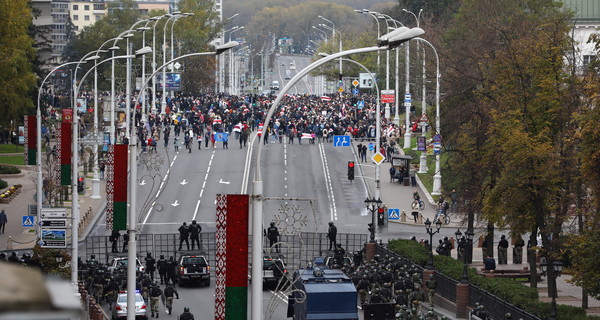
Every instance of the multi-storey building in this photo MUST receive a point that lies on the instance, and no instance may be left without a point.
(85, 13)
(585, 23)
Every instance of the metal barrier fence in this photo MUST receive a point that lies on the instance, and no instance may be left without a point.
(296, 250)
(446, 287)
(496, 307)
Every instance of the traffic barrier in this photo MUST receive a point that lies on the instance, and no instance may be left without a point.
(84, 220)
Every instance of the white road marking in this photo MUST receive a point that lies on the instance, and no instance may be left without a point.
(328, 184)
(175, 204)
(203, 186)
(183, 183)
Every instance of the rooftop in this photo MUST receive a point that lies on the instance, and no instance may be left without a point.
(586, 11)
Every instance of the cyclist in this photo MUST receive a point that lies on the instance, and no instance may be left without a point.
(417, 203)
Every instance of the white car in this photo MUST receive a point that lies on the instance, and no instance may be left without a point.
(122, 263)
(119, 309)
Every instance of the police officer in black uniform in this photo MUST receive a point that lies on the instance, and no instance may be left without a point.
(273, 235)
(186, 315)
(184, 233)
(195, 230)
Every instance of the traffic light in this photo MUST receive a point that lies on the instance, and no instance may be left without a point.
(380, 216)
(350, 170)
(80, 185)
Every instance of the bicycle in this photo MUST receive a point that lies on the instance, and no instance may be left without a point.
(417, 203)
(440, 215)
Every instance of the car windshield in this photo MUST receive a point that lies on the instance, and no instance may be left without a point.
(123, 298)
(193, 260)
(270, 264)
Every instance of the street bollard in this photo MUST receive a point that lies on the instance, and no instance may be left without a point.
(403, 216)
(9, 243)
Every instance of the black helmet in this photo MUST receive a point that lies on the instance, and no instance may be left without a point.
(193, 221)
(272, 224)
(330, 223)
(186, 309)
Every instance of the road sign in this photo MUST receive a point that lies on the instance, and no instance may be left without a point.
(437, 138)
(54, 238)
(355, 83)
(360, 104)
(366, 82)
(387, 96)
(54, 213)
(378, 158)
(424, 118)
(28, 221)
(354, 91)
(393, 214)
(54, 223)
(407, 97)
(341, 141)
(341, 89)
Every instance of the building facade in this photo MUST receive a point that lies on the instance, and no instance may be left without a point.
(585, 23)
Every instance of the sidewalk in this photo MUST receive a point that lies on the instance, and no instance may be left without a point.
(17, 237)
(398, 196)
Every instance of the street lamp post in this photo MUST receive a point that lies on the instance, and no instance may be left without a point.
(40, 181)
(333, 35)
(372, 14)
(175, 15)
(385, 42)
(431, 232)
(341, 48)
(437, 177)
(231, 61)
(373, 205)
(552, 271)
(465, 242)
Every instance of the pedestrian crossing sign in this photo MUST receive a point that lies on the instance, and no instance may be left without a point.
(28, 221)
(393, 214)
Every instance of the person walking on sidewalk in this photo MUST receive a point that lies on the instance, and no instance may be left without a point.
(413, 176)
(3, 221)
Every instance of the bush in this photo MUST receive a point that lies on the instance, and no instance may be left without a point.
(9, 170)
(509, 290)
(3, 184)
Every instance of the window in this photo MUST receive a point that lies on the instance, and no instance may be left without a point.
(75, 17)
(75, 7)
(86, 18)
(98, 17)
(587, 59)
(99, 6)
(86, 7)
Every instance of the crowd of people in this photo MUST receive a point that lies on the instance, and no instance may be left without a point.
(105, 283)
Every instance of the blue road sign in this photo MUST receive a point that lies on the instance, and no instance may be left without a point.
(354, 91)
(407, 97)
(28, 221)
(393, 214)
(360, 104)
(341, 141)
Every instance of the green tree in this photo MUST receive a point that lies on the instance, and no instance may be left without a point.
(510, 58)
(17, 80)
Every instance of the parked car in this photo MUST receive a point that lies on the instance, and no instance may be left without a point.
(121, 262)
(273, 271)
(119, 309)
(193, 268)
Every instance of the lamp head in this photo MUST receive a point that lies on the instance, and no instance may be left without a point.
(427, 224)
(143, 51)
(129, 35)
(438, 224)
(323, 54)
(404, 36)
(90, 58)
(458, 234)
(143, 28)
(384, 39)
(404, 10)
(558, 267)
(113, 48)
(470, 234)
(544, 267)
(222, 48)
